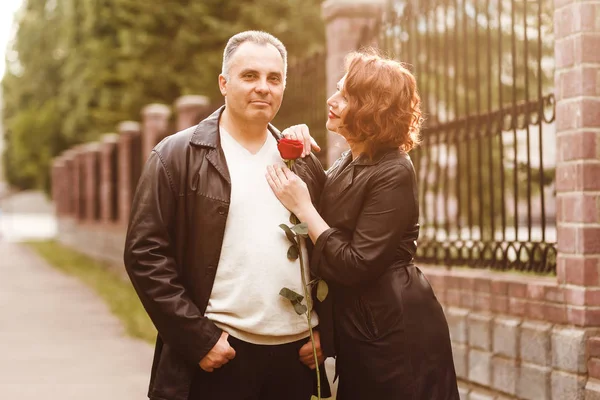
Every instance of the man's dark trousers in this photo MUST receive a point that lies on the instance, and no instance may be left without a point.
(258, 372)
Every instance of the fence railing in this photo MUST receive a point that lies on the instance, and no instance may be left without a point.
(486, 164)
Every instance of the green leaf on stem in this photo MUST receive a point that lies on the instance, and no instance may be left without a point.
(301, 229)
(293, 219)
(291, 295)
(288, 232)
(293, 253)
(322, 290)
(300, 308)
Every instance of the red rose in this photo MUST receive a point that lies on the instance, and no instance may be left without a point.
(290, 149)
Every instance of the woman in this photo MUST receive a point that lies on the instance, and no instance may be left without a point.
(391, 336)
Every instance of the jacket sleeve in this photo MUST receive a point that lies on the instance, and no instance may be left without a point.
(151, 265)
(389, 209)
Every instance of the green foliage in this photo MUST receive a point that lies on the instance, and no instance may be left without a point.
(77, 68)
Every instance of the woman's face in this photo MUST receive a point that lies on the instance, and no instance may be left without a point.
(337, 104)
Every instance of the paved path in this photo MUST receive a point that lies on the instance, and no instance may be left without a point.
(58, 340)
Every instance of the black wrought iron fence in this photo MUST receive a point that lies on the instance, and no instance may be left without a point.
(486, 165)
(305, 97)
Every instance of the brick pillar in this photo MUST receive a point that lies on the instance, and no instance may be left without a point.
(79, 202)
(57, 188)
(577, 86)
(129, 166)
(155, 126)
(345, 21)
(190, 110)
(69, 159)
(92, 181)
(108, 178)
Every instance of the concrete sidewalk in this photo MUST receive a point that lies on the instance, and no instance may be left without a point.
(58, 340)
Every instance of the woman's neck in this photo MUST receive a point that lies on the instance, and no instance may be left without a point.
(357, 149)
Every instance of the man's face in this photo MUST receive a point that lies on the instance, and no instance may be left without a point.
(255, 87)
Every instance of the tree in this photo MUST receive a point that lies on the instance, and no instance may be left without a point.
(78, 67)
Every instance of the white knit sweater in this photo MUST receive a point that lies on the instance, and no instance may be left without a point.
(253, 267)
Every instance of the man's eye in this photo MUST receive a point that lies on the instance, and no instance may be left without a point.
(249, 76)
(275, 79)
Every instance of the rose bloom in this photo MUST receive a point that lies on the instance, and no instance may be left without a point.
(290, 149)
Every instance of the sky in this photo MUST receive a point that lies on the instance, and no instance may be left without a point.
(7, 11)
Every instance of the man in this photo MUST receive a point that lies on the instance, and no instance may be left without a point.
(204, 250)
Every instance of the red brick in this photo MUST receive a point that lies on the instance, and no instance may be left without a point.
(500, 304)
(564, 24)
(453, 298)
(561, 269)
(467, 283)
(587, 48)
(536, 310)
(564, 50)
(555, 313)
(577, 145)
(499, 286)
(466, 299)
(593, 366)
(593, 346)
(590, 13)
(536, 291)
(482, 302)
(558, 4)
(590, 110)
(554, 294)
(453, 282)
(583, 316)
(483, 285)
(566, 239)
(581, 296)
(568, 115)
(588, 240)
(591, 172)
(567, 177)
(575, 296)
(517, 289)
(517, 307)
(580, 270)
(578, 208)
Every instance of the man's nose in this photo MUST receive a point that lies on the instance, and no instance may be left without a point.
(262, 86)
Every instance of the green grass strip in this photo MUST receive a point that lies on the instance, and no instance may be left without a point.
(116, 291)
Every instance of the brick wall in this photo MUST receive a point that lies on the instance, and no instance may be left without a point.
(93, 184)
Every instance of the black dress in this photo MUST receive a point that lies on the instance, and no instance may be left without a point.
(390, 335)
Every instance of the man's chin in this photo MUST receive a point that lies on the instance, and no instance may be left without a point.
(266, 115)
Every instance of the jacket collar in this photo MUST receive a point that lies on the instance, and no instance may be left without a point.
(363, 159)
(343, 176)
(206, 133)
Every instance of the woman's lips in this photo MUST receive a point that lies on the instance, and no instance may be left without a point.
(332, 115)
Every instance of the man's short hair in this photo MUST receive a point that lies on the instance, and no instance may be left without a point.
(257, 37)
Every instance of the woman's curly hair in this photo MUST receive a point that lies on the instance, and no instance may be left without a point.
(384, 107)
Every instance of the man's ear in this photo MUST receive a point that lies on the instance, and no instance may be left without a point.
(223, 85)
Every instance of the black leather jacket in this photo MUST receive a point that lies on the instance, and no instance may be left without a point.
(174, 242)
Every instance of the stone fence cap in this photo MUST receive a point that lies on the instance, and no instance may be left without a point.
(129, 127)
(93, 146)
(156, 109)
(191, 100)
(110, 138)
